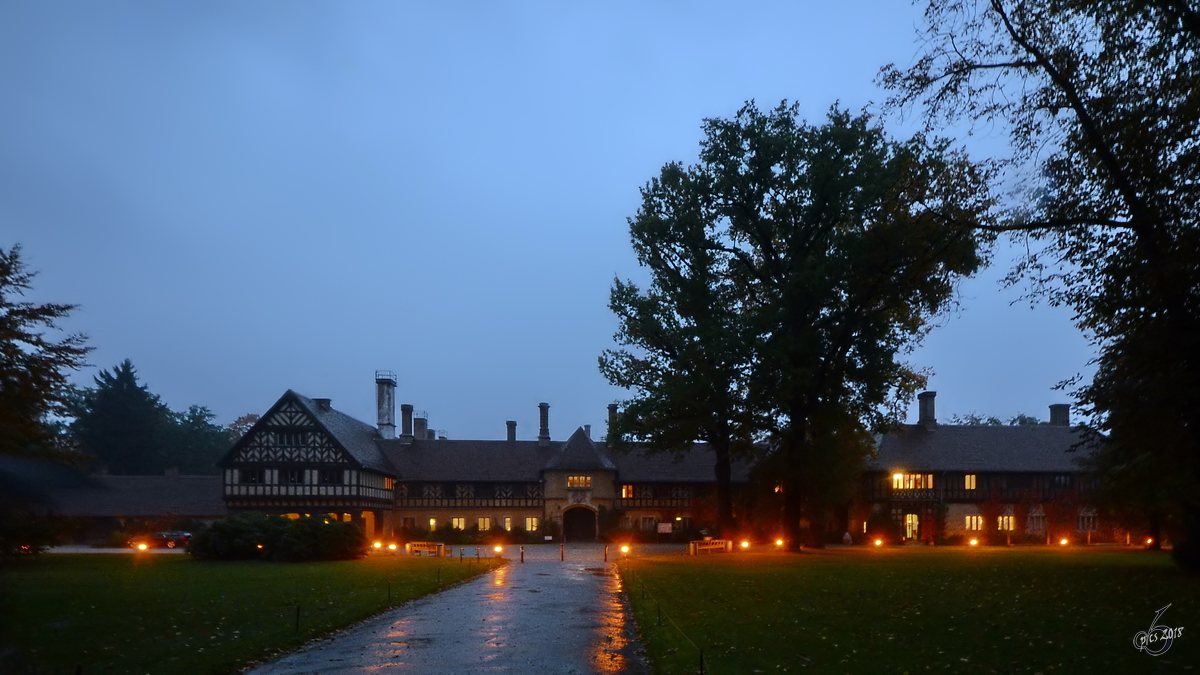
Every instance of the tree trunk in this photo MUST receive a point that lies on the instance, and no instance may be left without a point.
(723, 470)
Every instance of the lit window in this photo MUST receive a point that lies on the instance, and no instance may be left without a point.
(458, 523)
(507, 524)
(531, 524)
(579, 481)
(974, 522)
(626, 492)
(484, 523)
(389, 483)
(1004, 523)
(969, 482)
(432, 524)
(912, 481)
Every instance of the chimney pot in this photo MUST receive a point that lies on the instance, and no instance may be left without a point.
(928, 418)
(323, 403)
(512, 430)
(385, 402)
(544, 429)
(1060, 414)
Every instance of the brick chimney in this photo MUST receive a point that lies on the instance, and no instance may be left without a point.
(612, 422)
(587, 431)
(406, 422)
(323, 404)
(385, 402)
(421, 426)
(1060, 414)
(544, 421)
(928, 418)
(512, 430)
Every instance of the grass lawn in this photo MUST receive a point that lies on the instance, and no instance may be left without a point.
(114, 613)
(913, 610)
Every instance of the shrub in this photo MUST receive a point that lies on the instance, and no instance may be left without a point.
(248, 536)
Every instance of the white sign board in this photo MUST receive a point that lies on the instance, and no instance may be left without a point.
(665, 528)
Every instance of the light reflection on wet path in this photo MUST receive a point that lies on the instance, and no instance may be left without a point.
(543, 616)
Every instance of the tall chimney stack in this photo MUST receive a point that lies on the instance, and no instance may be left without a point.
(612, 422)
(406, 430)
(421, 427)
(544, 429)
(925, 404)
(385, 402)
(1060, 414)
(587, 431)
(512, 430)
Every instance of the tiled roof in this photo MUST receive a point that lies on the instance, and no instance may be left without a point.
(1042, 448)
(579, 453)
(358, 438)
(469, 461)
(695, 466)
(143, 496)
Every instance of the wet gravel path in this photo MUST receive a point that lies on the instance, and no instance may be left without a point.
(541, 616)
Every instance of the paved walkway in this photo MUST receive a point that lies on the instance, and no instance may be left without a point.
(543, 616)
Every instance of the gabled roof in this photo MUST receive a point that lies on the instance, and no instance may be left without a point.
(579, 453)
(694, 466)
(357, 439)
(469, 461)
(1042, 448)
(143, 497)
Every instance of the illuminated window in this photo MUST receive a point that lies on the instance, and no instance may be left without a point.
(626, 492)
(579, 481)
(291, 477)
(507, 524)
(388, 483)
(1004, 523)
(974, 522)
(912, 481)
(458, 523)
(432, 524)
(484, 523)
(251, 476)
(531, 524)
(969, 482)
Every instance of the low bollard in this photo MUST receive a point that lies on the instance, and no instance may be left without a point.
(522, 554)
(562, 551)
(477, 553)
(606, 553)
(460, 554)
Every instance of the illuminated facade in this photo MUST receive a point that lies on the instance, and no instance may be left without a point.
(305, 457)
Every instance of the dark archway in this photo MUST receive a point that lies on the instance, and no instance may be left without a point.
(579, 524)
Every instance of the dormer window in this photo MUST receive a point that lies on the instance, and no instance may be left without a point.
(584, 482)
(912, 481)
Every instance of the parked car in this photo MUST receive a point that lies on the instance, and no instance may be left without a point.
(161, 540)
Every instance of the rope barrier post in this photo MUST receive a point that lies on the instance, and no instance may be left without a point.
(606, 553)
(522, 554)
(562, 552)
(477, 553)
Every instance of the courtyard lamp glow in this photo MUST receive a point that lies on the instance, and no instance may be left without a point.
(1063, 542)
(379, 544)
(392, 547)
(879, 542)
(142, 547)
(625, 549)
(745, 544)
(974, 542)
(779, 542)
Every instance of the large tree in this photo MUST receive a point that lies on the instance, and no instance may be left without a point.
(33, 365)
(128, 429)
(685, 349)
(828, 248)
(1102, 103)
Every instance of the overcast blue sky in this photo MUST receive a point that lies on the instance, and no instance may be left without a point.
(251, 197)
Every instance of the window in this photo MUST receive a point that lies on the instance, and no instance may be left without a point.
(1062, 481)
(389, 483)
(531, 524)
(579, 481)
(410, 523)
(432, 524)
(251, 476)
(1004, 523)
(331, 477)
(974, 522)
(912, 481)
(969, 482)
(1087, 520)
(1037, 522)
(290, 439)
(458, 523)
(484, 523)
(626, 523)
(507, 524)
(649, 524)
(626, 492)
(291, 477)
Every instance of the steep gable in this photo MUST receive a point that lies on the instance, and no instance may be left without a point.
(580, 453)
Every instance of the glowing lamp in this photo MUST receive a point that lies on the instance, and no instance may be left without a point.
(678, 517)
(379, 544)
(625, 549)
(392, 547)
(879, 542)
(974, 542)
(1062, 542)
(1149, 540)
(498, 549)
(142, 547)
(779, 542)
(260, 545)
(745, 544)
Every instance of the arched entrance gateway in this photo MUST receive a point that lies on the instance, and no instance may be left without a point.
(579, 524)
